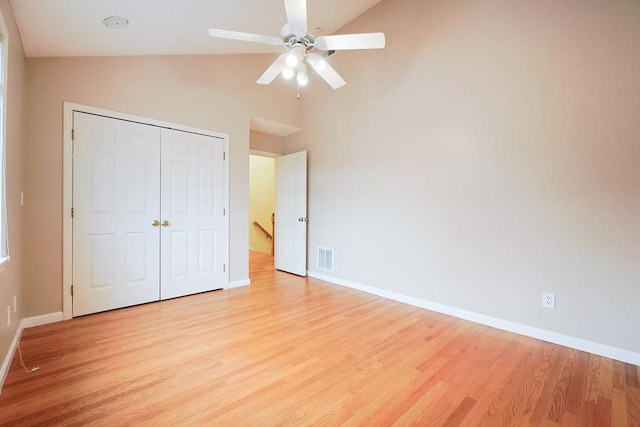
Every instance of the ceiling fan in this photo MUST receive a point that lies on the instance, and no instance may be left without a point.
(301, 45)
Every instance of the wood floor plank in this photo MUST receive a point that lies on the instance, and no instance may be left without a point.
(632, 378)
(459, 413)
(294, 351)
(576, 390)
(619, 408)
(633, 406)
(516, 397)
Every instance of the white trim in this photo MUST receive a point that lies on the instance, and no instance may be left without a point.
(28, 322)
(67, 182)
(6, 364)
(67, 202)
(4, 232)
(239, 283)
(4, 88)
(45, 319)
(599, 349)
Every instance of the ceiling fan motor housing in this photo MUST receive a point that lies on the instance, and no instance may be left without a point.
(292, 40)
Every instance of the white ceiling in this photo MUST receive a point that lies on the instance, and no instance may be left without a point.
(57, 28)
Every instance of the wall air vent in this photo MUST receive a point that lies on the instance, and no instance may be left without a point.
(325, 259)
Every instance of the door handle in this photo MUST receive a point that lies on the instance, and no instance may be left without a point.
(155, 223)
(165, 223)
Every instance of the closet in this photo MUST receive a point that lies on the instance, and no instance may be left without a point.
(148, 213)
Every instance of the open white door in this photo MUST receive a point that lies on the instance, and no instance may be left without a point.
(291, 213)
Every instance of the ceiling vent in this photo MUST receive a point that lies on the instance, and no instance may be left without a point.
(115, 22)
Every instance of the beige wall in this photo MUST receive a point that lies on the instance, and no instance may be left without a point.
(11, 283)
(210, 92)
(261, 201)
(491, 152)
(268, 143)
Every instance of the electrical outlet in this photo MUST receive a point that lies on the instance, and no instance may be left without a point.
(8, 315)
(549, 300)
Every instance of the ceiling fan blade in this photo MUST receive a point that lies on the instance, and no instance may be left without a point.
(351, 41)
(325, 71)
(247, 37)
(297, 16)
(273, 70)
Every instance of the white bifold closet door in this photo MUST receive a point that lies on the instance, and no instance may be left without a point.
(148, 218)
(192, 214)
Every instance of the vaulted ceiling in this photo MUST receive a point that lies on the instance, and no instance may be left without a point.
(60, 28)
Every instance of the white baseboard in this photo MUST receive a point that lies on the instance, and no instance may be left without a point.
(28, 322)
(239, 283)
(622, 355)
(44, 319)
(6, 364)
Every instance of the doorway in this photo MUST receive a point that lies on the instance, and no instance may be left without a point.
(284, 219)
(261, 202)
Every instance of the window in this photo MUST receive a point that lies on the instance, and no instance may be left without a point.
(4, 238)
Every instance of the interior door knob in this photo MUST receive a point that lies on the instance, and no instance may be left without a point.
(155, 223)
(165, 223)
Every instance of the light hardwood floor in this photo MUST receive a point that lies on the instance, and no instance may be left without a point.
(298, 351)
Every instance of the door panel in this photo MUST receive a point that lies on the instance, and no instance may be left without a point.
(291, 213)
(102, 272)
(206, 251)
(137, 243)
(116, 197)
(192, 204)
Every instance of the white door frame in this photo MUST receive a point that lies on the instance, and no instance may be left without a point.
(67, 187)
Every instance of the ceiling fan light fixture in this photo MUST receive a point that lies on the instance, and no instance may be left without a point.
(302, 76)
(292, 60)
(287, 73)
(295, 56)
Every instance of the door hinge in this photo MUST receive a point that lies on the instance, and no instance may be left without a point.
(224, 268)
(73, 134)
(224, 156)
(71, 290)
(224, 212)
(72, 212)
